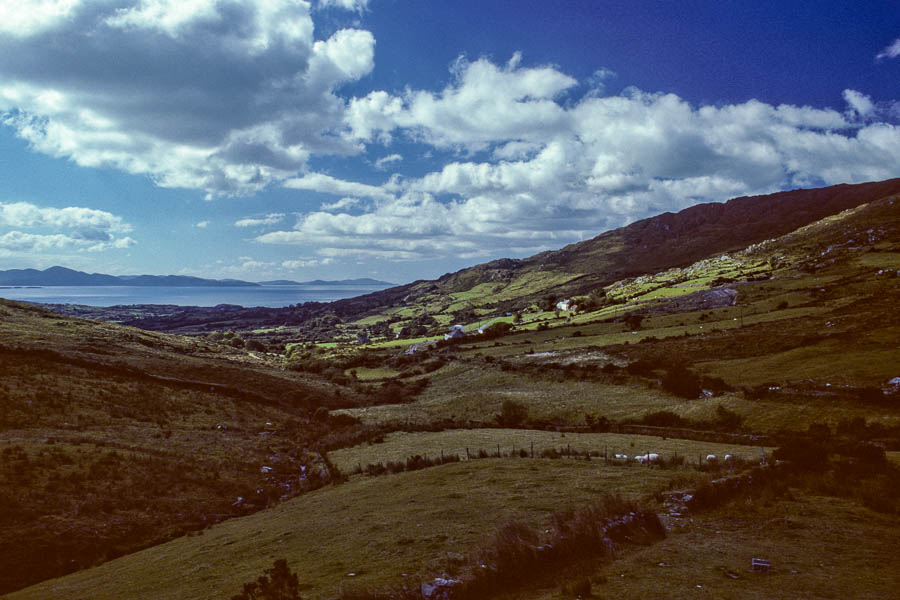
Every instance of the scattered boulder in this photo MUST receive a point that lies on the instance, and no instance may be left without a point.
(892, 386)
(719, 297)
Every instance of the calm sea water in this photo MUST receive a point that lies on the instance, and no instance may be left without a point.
(271, 296)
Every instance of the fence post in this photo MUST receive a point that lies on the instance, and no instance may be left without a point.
(532, 448)
(467, 453)
(498, 450)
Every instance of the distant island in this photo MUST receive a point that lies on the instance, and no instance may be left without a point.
(365, 281)
(61, 276)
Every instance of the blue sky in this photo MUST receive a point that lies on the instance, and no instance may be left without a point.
(402, 139)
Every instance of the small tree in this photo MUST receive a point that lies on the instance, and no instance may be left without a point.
(277, 583)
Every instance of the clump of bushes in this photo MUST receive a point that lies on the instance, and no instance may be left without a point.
(517, 555)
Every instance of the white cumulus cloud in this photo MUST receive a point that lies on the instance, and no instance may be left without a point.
(269, 219)
(71, 227)
(484, 103)
(305, 263)
(353, 5)
(342, 204)
(385, 161)
(319, 182)
(891, 51)
(551, 172)
(216, 95)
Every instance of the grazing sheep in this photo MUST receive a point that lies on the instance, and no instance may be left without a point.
(621, 457)
(647, 458)
(729, 458)
(711, 458)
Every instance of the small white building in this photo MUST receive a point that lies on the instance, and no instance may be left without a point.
(563, 304)
(456, 331)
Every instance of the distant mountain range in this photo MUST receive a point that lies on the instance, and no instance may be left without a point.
(63, 276)
(365, 281)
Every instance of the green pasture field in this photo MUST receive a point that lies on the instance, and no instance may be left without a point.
(465, 392)
(387, 530)
(829, 361)
(367, 373)
(477, 392)
(402, 445)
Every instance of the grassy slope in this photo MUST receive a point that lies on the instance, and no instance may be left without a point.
(110, 438)
(377, 528)
(821, 323)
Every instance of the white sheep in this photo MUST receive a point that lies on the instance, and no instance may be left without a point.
(621, 457)
(647, 458)
(711, 458)
(729, 458)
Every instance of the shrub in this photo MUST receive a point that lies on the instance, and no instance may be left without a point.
(681, 381)
(496, 330)
(255, 346)
(512, 414)
(727, 420)
(809, 454)
(277, 583)
(664, 418)
(597, 424)
(580, 588)
(634, 321)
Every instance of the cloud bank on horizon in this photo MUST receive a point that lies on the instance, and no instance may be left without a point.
(238, 98)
